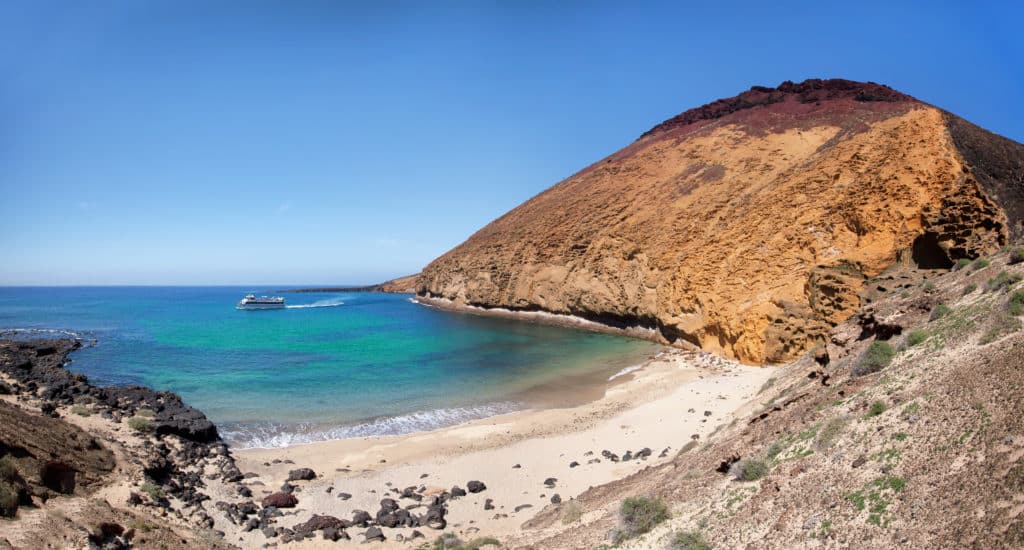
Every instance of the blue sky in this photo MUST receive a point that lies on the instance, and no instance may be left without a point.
(350, 142)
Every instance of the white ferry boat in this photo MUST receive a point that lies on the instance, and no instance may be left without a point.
(263, 302)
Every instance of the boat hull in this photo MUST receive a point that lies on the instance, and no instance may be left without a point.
(259, 306)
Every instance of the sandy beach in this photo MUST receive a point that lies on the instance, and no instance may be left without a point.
(672, 399)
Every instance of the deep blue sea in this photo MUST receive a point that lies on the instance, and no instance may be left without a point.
(329, 366)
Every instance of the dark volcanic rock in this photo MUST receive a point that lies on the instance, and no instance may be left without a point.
(280, 500)
(458, 491)
(374, 534)
(301, 474)
(475, 486)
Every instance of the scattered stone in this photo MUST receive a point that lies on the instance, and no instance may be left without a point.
(344, 496)
(301, 474)
(523, 507)
(458, 491)
(627, 456)
(361, 518)
(556, 499)
(707, 413)
(475, 486)
(374, 534)
(550, 482)
(516, 466)
(573, 464)
(489, 504)
(280, 500)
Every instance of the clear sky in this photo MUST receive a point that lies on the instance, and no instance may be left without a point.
(310, 142)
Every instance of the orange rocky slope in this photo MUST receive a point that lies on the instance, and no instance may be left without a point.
(749, 225)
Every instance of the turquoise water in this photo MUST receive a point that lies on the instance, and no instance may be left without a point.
(329, 366)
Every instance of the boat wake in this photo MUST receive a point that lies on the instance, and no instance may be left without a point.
(331, 302)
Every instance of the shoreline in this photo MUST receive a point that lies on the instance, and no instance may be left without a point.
(645, 417)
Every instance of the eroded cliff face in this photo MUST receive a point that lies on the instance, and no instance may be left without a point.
(747, 226)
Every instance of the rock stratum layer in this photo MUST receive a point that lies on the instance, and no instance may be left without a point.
(749, 225)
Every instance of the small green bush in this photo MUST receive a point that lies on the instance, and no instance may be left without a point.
(8, 500)
(916, 337)
(970, 288)
(940, 311)
(140, 424)
(928, 286)
(749, 470)
(148, 413)
(689, 540)
(878, 356)
(963, 262)
(1017, 303)
(639, 516)
(80, 410)
(981, 263)
(1017, 255)
(8, 469)
(774, 450)
(1003, 280)
(153, 490)
(830, 432)
(571, 512)
(875, 409)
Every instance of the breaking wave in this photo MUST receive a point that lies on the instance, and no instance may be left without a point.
(625, 371)
(268, 434)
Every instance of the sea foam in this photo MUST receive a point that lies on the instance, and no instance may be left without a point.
(267, 435)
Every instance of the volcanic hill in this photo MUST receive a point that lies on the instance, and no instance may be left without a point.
(748, 226)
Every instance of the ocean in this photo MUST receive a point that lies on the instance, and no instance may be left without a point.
(329, 366)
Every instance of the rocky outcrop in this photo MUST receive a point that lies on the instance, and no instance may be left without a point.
(749, 225)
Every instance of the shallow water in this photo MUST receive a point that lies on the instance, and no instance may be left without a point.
(329, 366)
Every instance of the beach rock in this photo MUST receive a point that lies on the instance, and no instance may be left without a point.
(417, 535)
(475, 486)
(301, 474)
(344, 496)
(319, 523)
(435, 517)
(287, 488)
(388, 505)
(458, 491)
(269, 532)
(332, 534)
(523, 507)
(707, 413)
(387, 520)
(280, 500)
(374, 534)
(361, 518)
(550, 482)
(244, 491)
(573, 464)
(627, 456)
(516, 466)
(610, 455)
(644, 453)
(329, 490)
(556, 499)
(489, 504)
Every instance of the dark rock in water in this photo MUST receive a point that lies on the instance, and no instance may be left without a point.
(301, 474)
(489, 504)
(458, 491)
(361, 518)
(523, 507)
(556, 499)
(344, 496)
(644, 453)
(627, 456)
(280, 500)
(550, 482)
(374, 534)
(516, 466)
(573, 464)
(475, 486)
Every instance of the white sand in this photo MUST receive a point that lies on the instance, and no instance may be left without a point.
(647, 408)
